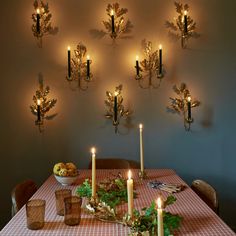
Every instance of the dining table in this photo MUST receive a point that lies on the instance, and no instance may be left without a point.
(198, 218)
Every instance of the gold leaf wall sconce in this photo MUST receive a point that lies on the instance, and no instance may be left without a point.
(42, 105)
(116, 24)
(183, 104)
(42, 21)
(150, 70)
(79, 66)
(115, 108)
(183, 27)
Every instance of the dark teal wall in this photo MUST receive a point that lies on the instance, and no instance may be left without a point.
(207, 66)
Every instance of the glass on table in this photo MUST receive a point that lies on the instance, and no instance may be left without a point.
(35, 213)
(72, 210)
(60, 195)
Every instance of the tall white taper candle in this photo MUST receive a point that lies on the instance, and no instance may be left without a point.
(141, 147)
(93, 151)
(130, 194)
(160, 230)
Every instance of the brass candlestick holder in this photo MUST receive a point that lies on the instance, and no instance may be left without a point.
(116, 24)
(142, 175)
(115, 107)
(42, 21)
(183, 27)
(79, 68)
(42, 105)
(183, 104)
(150, 70)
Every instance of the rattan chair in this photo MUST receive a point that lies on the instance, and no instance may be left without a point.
(207, 193)
(111, 163)
(21, 193)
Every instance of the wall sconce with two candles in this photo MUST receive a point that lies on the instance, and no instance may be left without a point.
(79, 68)
(115, 107)
(151, 64)
(42, 105)
(116, 24)
(42, 21)
(184, 24)
(183, 104)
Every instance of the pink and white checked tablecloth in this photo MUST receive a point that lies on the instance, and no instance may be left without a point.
(199, 219)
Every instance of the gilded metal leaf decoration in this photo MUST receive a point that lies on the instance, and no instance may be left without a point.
(179, 24)
(121, 26)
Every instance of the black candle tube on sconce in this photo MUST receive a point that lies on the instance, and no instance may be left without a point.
(69, 63)
(38, 21)
(160, 59)
(189, 109)
(137, 66)
(185, 22)
(115, 109)
(38, 110)
(88, 67)
(112, 21)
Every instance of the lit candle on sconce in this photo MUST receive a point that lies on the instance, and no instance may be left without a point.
(189, 108)
(185, 22)
(93, 151)
(38, 21)
(115, 108)
(160, 228)
(69, 63)
(88, 67)
(112, 21)
(137, 65)
(160, 59)
(39, 109)
(141, 147)
(130, 193)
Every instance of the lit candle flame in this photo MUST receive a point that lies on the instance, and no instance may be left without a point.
(88, 57)
(141, 126)
(129, 174)
(185, 13)
(116, 93)
(38, 11)
(160, 46)
(68, 48)
(38, 102)
(159, 203)
(137, 58)
(112, 12)
(189, 99)
(93, 150)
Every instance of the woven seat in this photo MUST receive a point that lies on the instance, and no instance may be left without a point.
(21, 193)
(207, 193)
(111, 163)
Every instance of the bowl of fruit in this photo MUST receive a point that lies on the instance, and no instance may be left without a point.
(65, 173)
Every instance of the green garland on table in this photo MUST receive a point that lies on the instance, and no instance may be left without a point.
(113, 192)
(145, 222)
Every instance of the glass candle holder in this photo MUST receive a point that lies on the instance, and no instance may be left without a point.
(72, 210)
(60, 195)
(35, 213)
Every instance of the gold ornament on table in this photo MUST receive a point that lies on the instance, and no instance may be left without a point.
(116, 24)
(183, 104)
(42, 105)
(183, 27)
(79, 67)
(42, 21)
(115, 107)
(149, 71)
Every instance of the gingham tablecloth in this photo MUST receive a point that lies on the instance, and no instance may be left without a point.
(199, 219)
